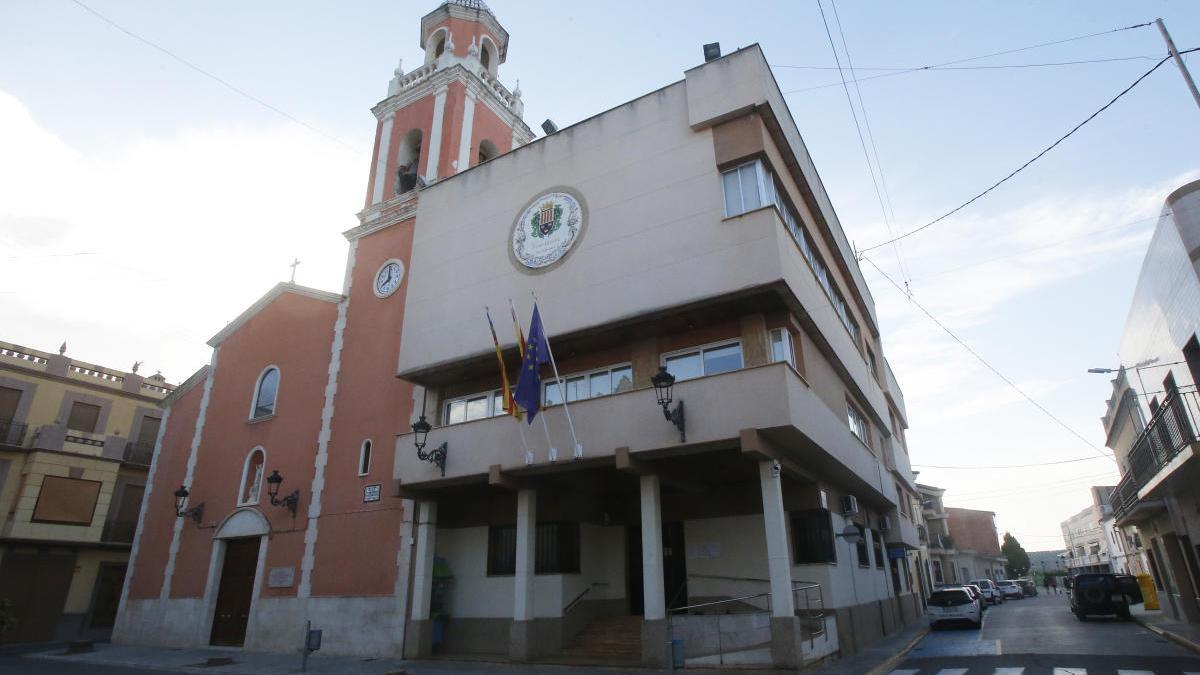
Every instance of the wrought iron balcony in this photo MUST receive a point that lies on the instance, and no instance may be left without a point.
(138, 453)
(12, 433)
(1172, 428)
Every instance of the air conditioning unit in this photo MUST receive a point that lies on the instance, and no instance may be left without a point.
(885, 524)
(849, 505)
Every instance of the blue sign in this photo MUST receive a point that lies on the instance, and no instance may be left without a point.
(895, 553)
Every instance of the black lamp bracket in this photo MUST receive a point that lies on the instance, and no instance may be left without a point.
(436, 455)
(196, 513)
(676, 418)
(290, 502)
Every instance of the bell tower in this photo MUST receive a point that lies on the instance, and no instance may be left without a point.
(450, 113)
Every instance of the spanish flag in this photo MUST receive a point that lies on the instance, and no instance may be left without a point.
(517, 328)
(509, 406)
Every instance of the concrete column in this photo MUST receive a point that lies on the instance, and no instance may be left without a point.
(418, 636)
(381, 158)
(435, 135)
(785, 627)
(521, 634)
(654, 603)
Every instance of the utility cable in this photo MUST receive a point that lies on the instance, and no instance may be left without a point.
(889, 213)
(987, 365)
(900, 70)
(211, 76)
(1021, 168)
(1013, 466)
(986, 56)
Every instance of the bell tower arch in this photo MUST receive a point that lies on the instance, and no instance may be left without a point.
(437, 117)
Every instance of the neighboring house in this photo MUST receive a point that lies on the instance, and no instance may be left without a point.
(685, 233)
(1153, 418)
(1088, 535)
(943, 568)
(76, 440)
(976, 542)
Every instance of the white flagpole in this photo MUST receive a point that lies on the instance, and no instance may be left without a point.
(561, 387)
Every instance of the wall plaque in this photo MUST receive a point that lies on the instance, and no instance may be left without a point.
(547, 229)
(281, 577)
(371, 493)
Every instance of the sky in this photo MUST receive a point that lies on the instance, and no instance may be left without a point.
(143, 205)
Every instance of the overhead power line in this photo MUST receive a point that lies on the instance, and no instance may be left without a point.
(900, 70)
(219, 80)
(1021, 168)
(1013, 466)
(987, 365)
(983, 56)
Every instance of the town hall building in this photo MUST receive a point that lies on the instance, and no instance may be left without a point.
(721, 465)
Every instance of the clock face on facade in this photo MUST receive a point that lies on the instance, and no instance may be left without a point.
(387, 279)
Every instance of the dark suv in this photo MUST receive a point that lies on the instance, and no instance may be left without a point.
(1104, 594)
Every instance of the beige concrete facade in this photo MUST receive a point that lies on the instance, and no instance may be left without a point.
(73, 458)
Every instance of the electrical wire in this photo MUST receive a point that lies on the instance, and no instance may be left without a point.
(1021, 168)
(1013, 466)
(982, 56)
(999, 66)
(987, 365)
(225, 83)
(889, 213)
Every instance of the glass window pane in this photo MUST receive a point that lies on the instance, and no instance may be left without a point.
(576, 388)
(553, 394)
(733, 193)
(477, 408)
(622, 379)
(599, 384)
(458, 412)
(685, 367)
(750, 197)
(781, 346)
(722, 359)
(497, 403)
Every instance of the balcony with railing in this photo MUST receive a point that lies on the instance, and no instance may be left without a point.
(1169, 439)
(12, 433)
(138, 453)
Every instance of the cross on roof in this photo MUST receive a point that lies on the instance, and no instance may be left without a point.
(294, 265)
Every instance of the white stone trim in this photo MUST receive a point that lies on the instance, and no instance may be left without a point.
(366, 445)
(169, 572)
(322, 458)
(464, 143)
(279, 289)
(382, 156)
(119, 628)
(435, 134)
(245, 469)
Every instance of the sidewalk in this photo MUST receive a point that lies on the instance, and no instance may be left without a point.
(1186, 634)
(194, 660)
(881, 656)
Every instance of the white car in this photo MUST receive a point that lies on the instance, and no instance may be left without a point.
(1010, 589)
(990, 592)
(954, 605)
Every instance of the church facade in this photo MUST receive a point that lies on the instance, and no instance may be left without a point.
(721, 463)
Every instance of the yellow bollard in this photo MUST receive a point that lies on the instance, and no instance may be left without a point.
(1149, 596)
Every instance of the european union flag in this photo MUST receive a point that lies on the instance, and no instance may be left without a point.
(537, 353)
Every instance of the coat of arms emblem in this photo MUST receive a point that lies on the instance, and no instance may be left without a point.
(547, 229)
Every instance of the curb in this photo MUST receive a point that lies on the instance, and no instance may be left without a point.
(1163, 632)
(894, 660)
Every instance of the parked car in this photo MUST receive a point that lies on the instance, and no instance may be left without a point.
(1104, 594)
(974, 590)
(1028, 587)
(1010, 589)
(990, 592)
(954, 605)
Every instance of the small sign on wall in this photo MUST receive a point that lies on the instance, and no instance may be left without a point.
(281, 577)
(371, 493)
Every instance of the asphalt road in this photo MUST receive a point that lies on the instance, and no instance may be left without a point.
(1039, 635)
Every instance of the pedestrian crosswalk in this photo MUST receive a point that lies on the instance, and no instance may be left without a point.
(1059, 670)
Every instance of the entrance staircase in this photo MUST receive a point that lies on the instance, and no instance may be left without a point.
(608, 639)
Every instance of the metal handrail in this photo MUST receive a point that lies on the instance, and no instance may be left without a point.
(1172, 427)
(571, 605)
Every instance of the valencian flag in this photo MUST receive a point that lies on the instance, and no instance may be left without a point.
(509, 406)
(517, 327)
(537, 354)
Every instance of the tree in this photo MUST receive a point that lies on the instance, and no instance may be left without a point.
(1018, 559)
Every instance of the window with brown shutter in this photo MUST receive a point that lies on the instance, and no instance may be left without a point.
(66, 501)
(148, 434)
(9, 398)
(84, 417)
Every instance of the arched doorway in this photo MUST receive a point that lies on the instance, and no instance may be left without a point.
(239, 540)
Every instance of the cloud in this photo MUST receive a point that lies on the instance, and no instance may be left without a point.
(145, 252)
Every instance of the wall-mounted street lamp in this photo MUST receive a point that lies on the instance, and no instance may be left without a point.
(290, 502)
(421, 429)
(196, 513)
(663, 383)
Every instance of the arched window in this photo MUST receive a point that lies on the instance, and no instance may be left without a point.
(485, 58)
(487, 150)
(265, 393)
(408, 162)
(487, 54)
(441, 47)
(252, 474)
(364, 458)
